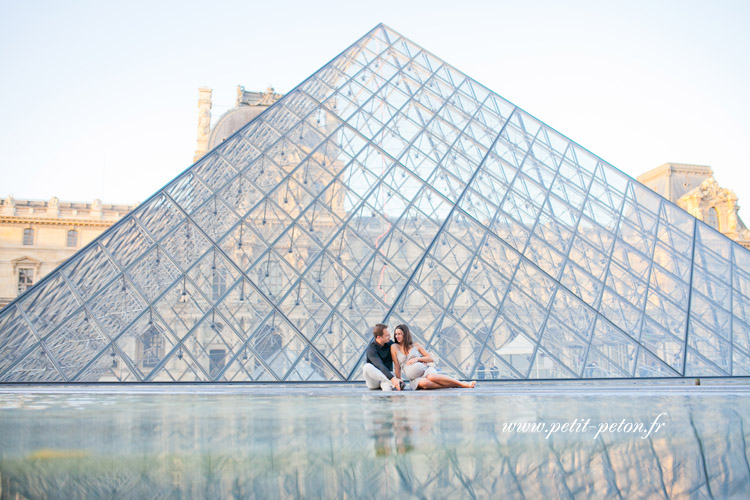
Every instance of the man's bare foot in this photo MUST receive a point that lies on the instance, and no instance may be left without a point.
(471, 384)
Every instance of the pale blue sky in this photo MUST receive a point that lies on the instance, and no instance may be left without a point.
(99, 99)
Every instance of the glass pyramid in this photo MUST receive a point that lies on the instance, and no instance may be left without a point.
(390, 187)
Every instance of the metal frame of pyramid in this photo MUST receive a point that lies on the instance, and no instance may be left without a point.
(390, 187)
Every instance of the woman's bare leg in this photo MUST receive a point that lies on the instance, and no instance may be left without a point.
(429, 384)
(447, 381)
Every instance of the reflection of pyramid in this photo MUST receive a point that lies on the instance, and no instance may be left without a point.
(390, 186)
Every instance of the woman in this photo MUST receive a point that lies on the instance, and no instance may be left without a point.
(412, 358)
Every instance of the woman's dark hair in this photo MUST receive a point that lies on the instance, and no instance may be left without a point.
(406, 341)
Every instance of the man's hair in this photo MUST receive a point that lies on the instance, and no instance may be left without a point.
(378, 329)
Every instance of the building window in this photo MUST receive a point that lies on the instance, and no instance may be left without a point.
(28, 236)
(25, 279)
(72, 238)
(218, 284)
(712, 218)
(216, 361)
(153, 347)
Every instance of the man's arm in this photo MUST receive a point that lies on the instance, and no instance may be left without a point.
(374, 359)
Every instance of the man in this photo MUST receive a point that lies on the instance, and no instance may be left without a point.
(378, 362)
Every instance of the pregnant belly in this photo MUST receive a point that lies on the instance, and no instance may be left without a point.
(414, 370)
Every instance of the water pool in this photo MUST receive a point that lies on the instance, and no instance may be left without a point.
(502, 441)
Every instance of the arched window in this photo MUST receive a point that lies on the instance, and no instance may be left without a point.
(28, 236)
(72, 238)
(712, 218)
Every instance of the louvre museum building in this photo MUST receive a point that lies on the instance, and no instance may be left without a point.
(390, 187)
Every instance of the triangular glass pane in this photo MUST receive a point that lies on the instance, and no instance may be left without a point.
(568, 347)
(246, 368)
(618, 348)
(15, 338)
(740, 363)
(34, 367)
(599, 366)
(492, 367)
(649, 366)
(668, 348)
(312, 367)
(696, 365)
(125, 242)
(153, 273)
(75, 343)
(48, 304)
(620, 312)
(213, 343)
(108, 367)
(144, 345)
(116, 306)
(277, 345)
(178, 366)
(710, 345)
(545, 366)
(89, 272)
(514, 348)
(340, 344)
(741, 334)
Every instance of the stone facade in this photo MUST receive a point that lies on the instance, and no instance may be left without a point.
(694, 189)
(37, 236)
(247, 106)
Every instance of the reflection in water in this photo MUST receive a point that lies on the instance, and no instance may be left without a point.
(354, 444)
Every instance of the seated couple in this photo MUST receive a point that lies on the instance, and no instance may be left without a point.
(383, 355)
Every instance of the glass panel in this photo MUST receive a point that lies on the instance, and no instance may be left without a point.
(144, 344)
(181, 307)
(620, 312)
(47, 305)
(185, 245)
(189, 192)
(213, 275)
(215, 218)
(741, 334)
(126, 243)
(714, 240)
(698, 366)
(740, 363)
(89, 272)
(710, 345)
(573, 313)
(214, 171)
(523, 311)
(545, 366)
(340, 344)
(116, 306)
(618, 348)
(279, 347)
(75, 343)
(108, 367)
(15, 338)
(454, 348)
(512, 347)
(599, 366)
(179, 367)
(567, 347)
(159, 216)
(154, 273)
(668, 348)
(667, 314)
(35, 367)
(650, 366)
